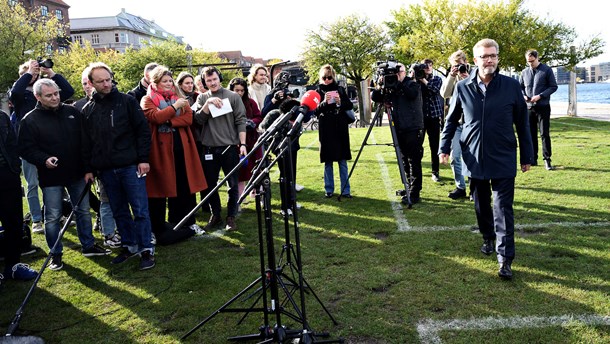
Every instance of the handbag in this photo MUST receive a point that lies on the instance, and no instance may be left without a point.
(351, 116)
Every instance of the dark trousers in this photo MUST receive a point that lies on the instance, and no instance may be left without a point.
(213, 160)
(411, 147)
(499, 223)
(540, 116)
(11, 216)
(432, 126)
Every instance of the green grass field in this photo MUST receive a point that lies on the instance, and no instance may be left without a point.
(386, 273)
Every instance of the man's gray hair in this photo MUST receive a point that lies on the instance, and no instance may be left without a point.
(44, 82)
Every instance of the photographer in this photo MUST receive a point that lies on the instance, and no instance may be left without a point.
(433, 113)
(22, 97)
(407, 114)
(278, 94)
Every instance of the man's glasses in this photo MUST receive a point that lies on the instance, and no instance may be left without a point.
(490, 56)
(327, 78)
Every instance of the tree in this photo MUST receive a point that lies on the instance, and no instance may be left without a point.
(24, 35)
(436, 28)
(351, 45)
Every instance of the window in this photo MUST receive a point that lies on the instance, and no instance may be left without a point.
(77, 39)
(12, 2)
(59, 14)
(44, 11)
(95, 38)
(121, 38)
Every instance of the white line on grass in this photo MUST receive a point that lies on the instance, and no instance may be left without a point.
(401, 220)
(429, 329)
(517, 226)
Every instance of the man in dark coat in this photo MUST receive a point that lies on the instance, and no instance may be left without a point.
(139, 91)
(491, 104)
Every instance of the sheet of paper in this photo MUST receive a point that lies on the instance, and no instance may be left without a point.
(225, 109)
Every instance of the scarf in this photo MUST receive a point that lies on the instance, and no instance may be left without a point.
(163, 99)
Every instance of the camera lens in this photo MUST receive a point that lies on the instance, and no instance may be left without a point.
(462, 68)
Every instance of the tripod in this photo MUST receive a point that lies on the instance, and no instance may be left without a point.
(404, 193)
(276, 288)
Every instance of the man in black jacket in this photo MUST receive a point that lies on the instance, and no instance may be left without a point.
(24, 101)
(408, 117)
(139, 91)
(116, 146)
(50, 138)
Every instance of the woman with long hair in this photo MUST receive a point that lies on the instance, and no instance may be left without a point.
(254, 118)
(175, 169)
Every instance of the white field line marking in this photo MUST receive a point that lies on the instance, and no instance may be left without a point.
(401, 220)
(429, 329)
(517, 226)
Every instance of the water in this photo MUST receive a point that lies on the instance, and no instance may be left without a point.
(585, 93)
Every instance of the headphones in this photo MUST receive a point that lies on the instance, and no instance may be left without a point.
(213, 69)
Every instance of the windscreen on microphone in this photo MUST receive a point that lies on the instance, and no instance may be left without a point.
(311, 99)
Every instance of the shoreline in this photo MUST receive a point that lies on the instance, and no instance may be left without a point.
(595, 111)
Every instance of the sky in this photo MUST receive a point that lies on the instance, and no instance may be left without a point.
(277, 29)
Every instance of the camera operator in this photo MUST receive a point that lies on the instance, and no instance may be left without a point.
(433, 113)
(278, 94)
(459, 71)
(408, 117)
(24, 101)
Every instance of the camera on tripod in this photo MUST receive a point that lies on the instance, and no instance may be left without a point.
(46, 63)
(386, 75)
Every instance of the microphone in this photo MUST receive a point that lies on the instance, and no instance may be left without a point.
(309, 102)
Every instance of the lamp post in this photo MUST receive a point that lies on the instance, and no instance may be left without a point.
(189, 57)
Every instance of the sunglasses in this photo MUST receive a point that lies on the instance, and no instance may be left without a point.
(327, 78)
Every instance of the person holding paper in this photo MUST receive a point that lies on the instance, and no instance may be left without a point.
(223, 117)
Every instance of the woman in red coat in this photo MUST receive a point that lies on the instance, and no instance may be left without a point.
(254, 118)
(175, 169)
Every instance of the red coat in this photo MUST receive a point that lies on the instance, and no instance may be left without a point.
(161, 180)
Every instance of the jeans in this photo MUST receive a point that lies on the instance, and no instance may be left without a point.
(211, 169)
(456, 159)
(30, 173)
(329, 182)
(107, 220)
(126, 190)
(52, 197)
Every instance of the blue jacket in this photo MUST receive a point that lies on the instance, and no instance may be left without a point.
(541, 83)
(489, 146)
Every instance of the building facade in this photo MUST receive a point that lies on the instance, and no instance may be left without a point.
(48, 8)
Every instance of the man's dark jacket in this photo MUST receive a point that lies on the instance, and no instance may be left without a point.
(406, 102)
(541, 83)
(44, 133)
(116, 133)
(489, 146)
(23, 99)
(138, 92)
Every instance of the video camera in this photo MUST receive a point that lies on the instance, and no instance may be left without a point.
(386, 74)
(419, 71)
(46, 63)
(281, 84)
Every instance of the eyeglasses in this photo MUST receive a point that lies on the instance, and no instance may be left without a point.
(327, 77)
(490, 56)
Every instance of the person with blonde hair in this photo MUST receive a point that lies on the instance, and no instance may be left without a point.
(259, 87)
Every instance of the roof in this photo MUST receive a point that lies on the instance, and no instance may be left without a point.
(59, 2)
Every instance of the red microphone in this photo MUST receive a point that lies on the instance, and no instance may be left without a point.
(311, 99)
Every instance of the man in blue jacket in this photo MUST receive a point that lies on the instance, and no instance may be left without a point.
(491, 104)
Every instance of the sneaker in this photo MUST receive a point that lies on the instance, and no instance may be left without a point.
(95, 250)
(231, 225)
(198, 230)
(283, 213)
(97, 225)
(328, 195)
(122, 256)
(347, 196)
(457, 193)
(215, 221)
(56, 263)
(26, 251)
(147, 260)
(22, 272)
(435, 177)
(299, 206)
(153, 238)
(298, 187)
(37, 227)
(549, 167)
(112, 241)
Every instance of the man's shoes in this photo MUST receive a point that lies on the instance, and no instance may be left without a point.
(147, 260)
(122, 256)
(56, 263)
(548, 165)
(488, 247)
(214, 221)
(299, 206)
(112, 241)
(435, 177)
(457, 193)
(37, 227)
(328, 195)
(505, 271)
(347, 196)
(414, 198)
(21, 272)
(198, 230)
(298, 187)
(231, 225)
(29, 250)
(95, 250)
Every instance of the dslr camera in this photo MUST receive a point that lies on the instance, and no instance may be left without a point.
(386, 74)
(419, 70)
(46, 63)
(462, 68)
